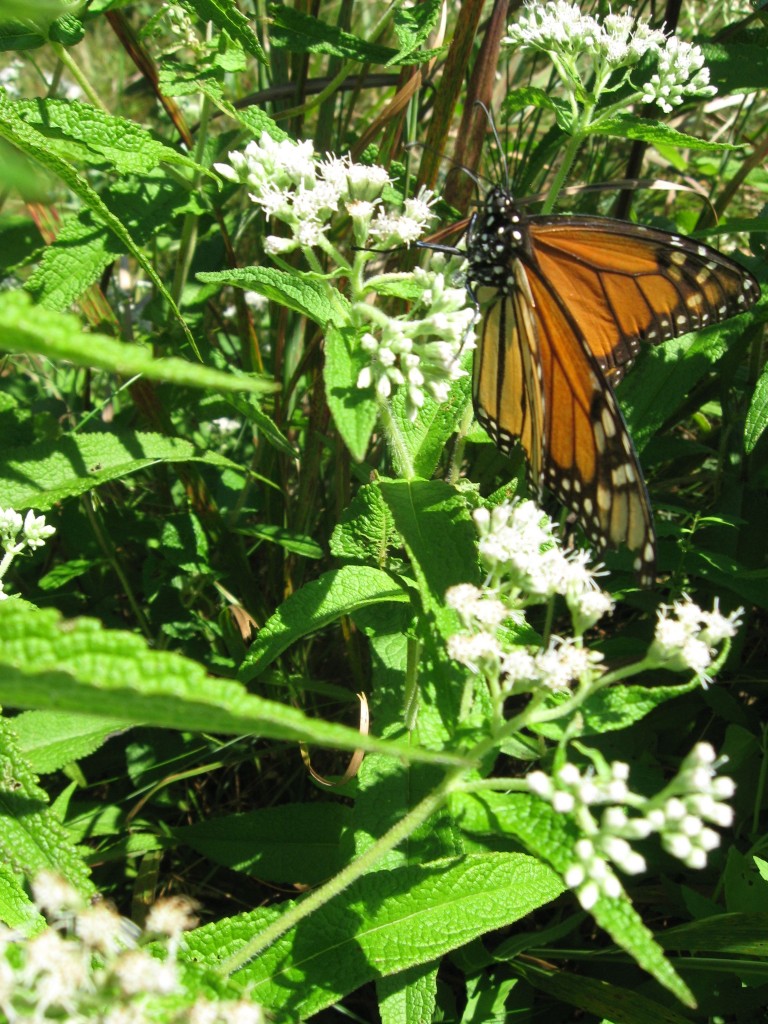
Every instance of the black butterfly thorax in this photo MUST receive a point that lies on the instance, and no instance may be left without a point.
(497, 235)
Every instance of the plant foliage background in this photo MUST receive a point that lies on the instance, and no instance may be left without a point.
(245, 539)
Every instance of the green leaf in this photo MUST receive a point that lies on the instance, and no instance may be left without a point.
(298, 543)
(67, 30)
(251, 413)
(21, 35)
(386, 922)
(34, 329)
(65, 572)
(299, 292)
(354, 411)
(736, 66)
(16, 908)
(408, 997)
(83, 247)
(726, 573)
(552, 836)
(629, 126)
(32, 839)
(656, 388)
(45, 473)
(398, 285)
(598, 997)
(532, 96)
(177, 80)
(365, 529)
(292, 30)
(75, 665)
(385, 790)
(433, 520)
(289, 844)
(86, 134)
(757, 416)
(21, 240)
(426, 436)
(226, 16)
(53, 739)
(45, 11)
(318, 604)
(743, 933)
(413, 26)
(616, 707)
(31, 142)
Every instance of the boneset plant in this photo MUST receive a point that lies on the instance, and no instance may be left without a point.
(227, 569)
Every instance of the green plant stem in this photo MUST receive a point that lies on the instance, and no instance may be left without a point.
(498, 784)
(411, 708)
(190, 225)
(73, 68)
(550, 618)
(5, 565)
(562, 172)
(359, 867)
(452, 781)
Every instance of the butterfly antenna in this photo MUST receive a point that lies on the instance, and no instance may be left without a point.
(456, 165)
(497, 138)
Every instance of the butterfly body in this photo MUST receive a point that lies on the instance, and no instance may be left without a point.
(566, 303)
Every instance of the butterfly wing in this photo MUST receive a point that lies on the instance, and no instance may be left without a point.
(625, 284)
(535, 380)
(567, 302)
(507, 373)
(589, 460)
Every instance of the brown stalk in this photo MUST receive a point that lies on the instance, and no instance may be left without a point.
(474, 122)
(451, 84)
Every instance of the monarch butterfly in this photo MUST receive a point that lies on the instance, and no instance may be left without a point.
(565, 303)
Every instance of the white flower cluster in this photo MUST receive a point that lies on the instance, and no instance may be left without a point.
(688, 637)
(525, 565)
(34, 533)
(421, 349)
(677, 814)
(290, 183)
(560, 27)
(618, 41)
(33, 527)
(555, 667)
(518, 544)
(418, 350)
(182, 27)
(89, 966)
(681, 73)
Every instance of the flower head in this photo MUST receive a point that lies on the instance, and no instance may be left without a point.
(588, 51)
(419, 350)
(406, 226)
(687, 637)
(518, 543)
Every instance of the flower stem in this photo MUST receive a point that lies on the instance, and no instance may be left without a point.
(565, 165)
(74, 69)
(6, 562)
(359, 867)
(190, 225)
(411, 709)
